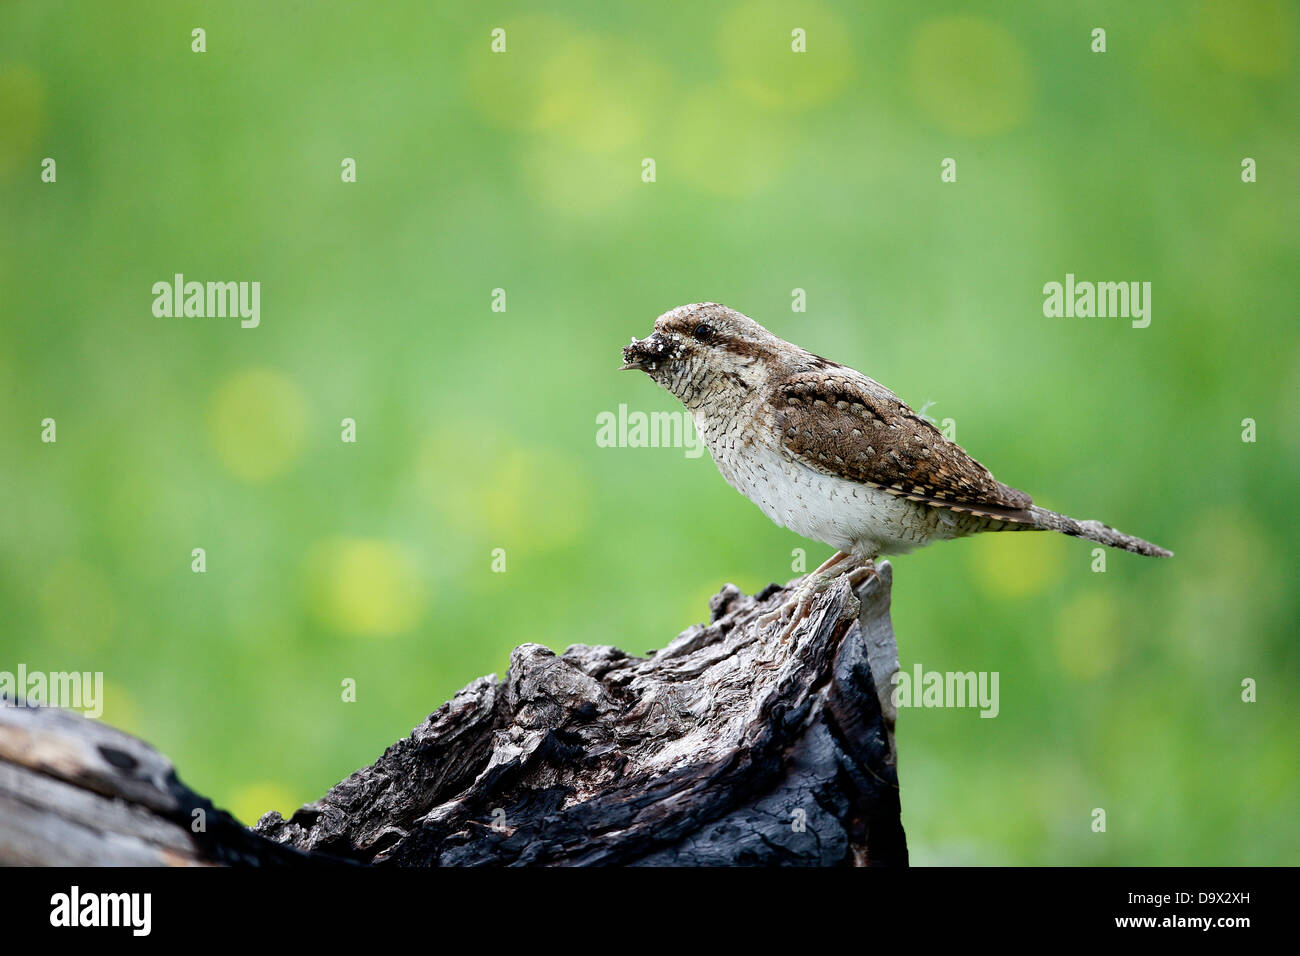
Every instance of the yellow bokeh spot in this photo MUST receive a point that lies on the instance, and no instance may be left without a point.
(971, 76)
(591, 98)
(1190, 88)
(1248, 36)
(120, 709)
(256, 421)
(1088, 635)
(724, 144)
(78, 606)
(505, 86)
(595, 90)
(1225, 554)
(1016, 564)
(364, 586)
(521, 498)
(756, 45)
(602, 92)
(22, 117)
(250, 801)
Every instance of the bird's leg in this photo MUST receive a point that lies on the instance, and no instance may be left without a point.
(778, 612)
(812, 585)
(863, 570)
(830, 562)
(835, 566)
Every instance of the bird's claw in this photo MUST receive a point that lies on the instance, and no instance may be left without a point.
(819, 580)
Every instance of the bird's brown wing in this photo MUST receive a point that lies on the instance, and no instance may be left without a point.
(839, 422)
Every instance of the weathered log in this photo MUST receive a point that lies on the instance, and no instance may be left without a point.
(744, 741)
(77, 792)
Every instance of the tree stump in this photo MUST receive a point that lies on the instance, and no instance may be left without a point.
(731, 746)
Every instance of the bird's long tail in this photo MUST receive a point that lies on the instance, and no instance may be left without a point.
(1095, 531)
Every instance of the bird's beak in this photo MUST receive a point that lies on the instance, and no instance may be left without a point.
(647, 353)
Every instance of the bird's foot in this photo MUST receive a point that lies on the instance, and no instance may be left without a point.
(832, 561)
(862, 573)
(858, 571)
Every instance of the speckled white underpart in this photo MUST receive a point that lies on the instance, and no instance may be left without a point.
(845, 514)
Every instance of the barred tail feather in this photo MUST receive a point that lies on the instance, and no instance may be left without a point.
(1095, 531)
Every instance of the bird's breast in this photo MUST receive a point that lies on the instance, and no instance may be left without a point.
(848, 515)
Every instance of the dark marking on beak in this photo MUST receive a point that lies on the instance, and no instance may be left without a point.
(647, 353)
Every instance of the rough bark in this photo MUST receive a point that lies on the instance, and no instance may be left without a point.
(741, 742)
(76, 792)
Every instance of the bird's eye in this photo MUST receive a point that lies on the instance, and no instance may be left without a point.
(703, 332)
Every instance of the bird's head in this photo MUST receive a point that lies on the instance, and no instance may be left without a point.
(698, 350)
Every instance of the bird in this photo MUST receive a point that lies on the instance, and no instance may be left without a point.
(829, 453)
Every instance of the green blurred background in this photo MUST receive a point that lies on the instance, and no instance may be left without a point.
(476, 429)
